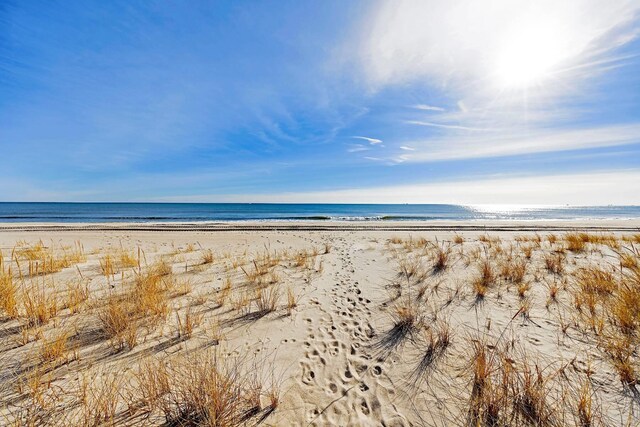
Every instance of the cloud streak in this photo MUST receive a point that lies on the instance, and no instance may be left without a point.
(500, 144)
(372, 141)
(444, 126)
(608, 187)
(518, 70)
(425, 107)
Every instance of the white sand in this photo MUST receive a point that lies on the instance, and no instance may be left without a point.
(330, 357)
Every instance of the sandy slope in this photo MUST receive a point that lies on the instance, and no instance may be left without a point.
(336, 358)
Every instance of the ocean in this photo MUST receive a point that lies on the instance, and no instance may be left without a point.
(12, 212)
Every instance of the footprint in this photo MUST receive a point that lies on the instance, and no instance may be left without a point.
(308, 375)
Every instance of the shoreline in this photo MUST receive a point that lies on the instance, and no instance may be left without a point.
(628, 225)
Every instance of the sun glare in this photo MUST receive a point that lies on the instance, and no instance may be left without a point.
(528, 57)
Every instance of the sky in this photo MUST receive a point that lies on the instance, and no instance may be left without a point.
(425, 101)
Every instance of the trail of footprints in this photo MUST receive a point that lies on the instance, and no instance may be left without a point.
(337, 358)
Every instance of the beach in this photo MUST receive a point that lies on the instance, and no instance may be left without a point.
(321, 323)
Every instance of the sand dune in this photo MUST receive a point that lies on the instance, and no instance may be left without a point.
(354, 325)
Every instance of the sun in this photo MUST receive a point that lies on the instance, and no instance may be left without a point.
(528, 56)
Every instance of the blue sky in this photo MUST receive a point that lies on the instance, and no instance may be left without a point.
(286, 101)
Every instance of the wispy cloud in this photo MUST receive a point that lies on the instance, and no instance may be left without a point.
(372, 141)
(496, 144)
(425, 107)
(444, 126)
(515, 86)
(467, 44)
(407, 148)
(357, 148)
(604, 187)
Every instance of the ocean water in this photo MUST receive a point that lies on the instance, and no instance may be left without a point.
(192, 212)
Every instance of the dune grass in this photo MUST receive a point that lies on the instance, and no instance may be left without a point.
(117, 340)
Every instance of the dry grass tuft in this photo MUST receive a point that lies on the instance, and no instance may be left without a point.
(207, 257)
(43, 260)
(584, 406)
(8, 291)
(554, 262)
(594, 280)
(628, 260)
(39, 304)
(150, 291)
(576, 242)
(204, 390)
(292, 300)
(118, 322)
(513, 270)
(267, 299)
(187, 323)
(507, 392)
(434, 343)
(107, 266)
(55, 349)
(441, 254)
(523, 288)
(484, 280)
(620, 351)
(407, 320)
(99, 398)
(77, 295)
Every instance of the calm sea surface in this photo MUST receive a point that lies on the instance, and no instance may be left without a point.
(188, 212)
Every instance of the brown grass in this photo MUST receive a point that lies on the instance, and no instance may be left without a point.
(576, 242)
(584, 406)
(128, 259)
(55, 349)
(628, 261)
(435, 341)
(99, 398)
(150, 292)
(107, 266)
(207, 257)
(513, 270)
(267, 299)
(620, 350)
(118, 322)
(77, 295)
(523, 288)
(8, 291)
(554, 262)
(43, 260)
(484, 280)
(625, 305)
(206, 390)
(188, 386)
(553, 291)
(223, 294)
(441, 254)
(506, 391)
(292, 300)
(595, 280)
(39, 304)
(187, 323)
